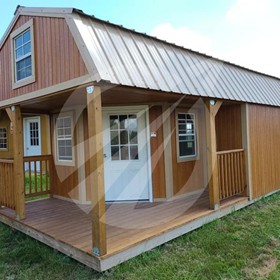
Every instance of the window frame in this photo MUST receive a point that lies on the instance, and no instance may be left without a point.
(31, 79)
(189, 157)
(57, 160)
(5, 149)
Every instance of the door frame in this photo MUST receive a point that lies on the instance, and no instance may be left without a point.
(138, 108)
(25, 132)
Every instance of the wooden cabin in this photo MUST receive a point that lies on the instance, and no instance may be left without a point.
(113, 142)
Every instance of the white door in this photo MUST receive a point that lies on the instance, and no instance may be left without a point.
(126, 165)
(32, 136)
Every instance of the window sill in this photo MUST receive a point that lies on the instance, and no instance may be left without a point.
(24, 82)
(65, 163)
(186, 159)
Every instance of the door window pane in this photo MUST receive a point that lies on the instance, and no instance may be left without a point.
(34, 133)
(124, 137)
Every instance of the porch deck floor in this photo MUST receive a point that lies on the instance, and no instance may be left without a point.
(127, 223)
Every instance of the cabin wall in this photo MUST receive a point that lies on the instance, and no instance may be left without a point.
(189, 176)
(6, 123)
(157, 154)
(45, 135)
(264, 135)
(57, 58)
(66, 181)
(229, 128)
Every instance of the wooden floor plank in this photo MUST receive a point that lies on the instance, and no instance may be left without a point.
(127, 223)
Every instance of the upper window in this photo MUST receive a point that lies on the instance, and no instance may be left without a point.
(23, 55)
(64, 138)
(187, 138)
(3, 138)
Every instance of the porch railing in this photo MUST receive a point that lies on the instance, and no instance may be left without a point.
(7, 193)
(37, 175)
(231, 169)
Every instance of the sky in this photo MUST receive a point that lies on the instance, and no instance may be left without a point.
(245, 32)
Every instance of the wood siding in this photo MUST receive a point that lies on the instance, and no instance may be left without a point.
(66, 183)
(188, 176)
(228, 128)
(157, 153)
(57, 58)
(6, 123)
(264, 131)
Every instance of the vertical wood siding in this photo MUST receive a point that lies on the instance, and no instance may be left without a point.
(228, 128)
(57, 58)
(6, 123)
(157, 152)
(65, 177)
(264, 130)
(188, 176)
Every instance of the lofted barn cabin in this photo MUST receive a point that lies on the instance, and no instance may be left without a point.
(113, 142)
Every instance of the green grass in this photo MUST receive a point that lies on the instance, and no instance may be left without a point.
(243, 245)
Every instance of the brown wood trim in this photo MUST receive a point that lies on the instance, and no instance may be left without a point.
(6, 160)
(230, 151)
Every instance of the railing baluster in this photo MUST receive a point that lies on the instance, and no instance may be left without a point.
(41, 177)
(40, 166)
(29, 174)
(231, 170)
(7, 193)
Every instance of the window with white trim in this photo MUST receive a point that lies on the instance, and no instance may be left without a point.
(23, 55)
(186, 132)
(3, 138)
(64, 139)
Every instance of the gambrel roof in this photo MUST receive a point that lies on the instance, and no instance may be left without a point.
(122, 56)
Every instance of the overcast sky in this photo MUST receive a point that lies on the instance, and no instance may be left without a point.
(245, 32)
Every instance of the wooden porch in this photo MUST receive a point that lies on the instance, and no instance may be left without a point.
(67, 226)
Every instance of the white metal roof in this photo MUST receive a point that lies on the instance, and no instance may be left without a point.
(124, 57)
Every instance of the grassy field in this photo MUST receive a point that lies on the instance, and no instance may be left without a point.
(244, 245)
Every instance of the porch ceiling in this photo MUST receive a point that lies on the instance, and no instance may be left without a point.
(111, 95)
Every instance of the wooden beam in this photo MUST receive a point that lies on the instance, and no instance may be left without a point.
(10, 114)
(166, 114)
(15, 117)
(99, 244)
(212, 168)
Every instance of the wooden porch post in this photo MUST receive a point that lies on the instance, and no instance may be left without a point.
(99, 246)
(211, 109)
(14, 114)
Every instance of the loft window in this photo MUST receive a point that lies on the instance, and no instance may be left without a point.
(22, 49)
(3, 138)
(64, 139)
(187, 138)
(23, 56)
